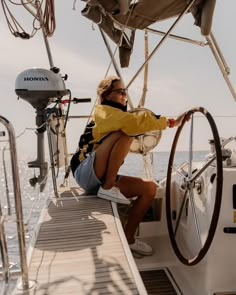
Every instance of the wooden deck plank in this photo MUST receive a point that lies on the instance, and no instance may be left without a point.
(78, 250)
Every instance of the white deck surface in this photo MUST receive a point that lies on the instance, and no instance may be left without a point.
(79, 251)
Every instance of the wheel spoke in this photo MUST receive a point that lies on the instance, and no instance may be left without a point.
(195, 218)
(191, 194)
(190, 158)
(180, 212)
(176, 170)
(204, 167)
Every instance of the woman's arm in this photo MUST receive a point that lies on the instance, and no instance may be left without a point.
(109, 119)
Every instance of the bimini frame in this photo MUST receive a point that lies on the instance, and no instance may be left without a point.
(210, 41)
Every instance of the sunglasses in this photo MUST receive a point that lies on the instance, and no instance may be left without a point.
(121, 91)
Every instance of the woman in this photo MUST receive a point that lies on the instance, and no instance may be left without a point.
(103, 148)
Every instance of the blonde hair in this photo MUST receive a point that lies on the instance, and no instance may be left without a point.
(105, 86)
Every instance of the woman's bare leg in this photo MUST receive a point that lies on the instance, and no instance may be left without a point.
(145, 191)
(109, 156)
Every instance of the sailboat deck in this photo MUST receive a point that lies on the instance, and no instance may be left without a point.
(78, 250)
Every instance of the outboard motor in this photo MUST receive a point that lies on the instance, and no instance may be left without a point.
(40, 87)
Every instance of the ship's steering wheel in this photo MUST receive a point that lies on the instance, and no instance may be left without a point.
(188, 182)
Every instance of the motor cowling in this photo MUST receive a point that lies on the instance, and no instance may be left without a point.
(39, 86)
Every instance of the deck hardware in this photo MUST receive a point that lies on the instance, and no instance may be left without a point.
(229, 230)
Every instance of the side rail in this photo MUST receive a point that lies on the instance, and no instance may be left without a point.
(4, 255)
(19, 216)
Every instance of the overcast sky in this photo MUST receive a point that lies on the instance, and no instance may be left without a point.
(181, 75)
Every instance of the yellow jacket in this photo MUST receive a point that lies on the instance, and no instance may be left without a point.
(108, 119)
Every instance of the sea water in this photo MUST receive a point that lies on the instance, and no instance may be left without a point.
(33, 201)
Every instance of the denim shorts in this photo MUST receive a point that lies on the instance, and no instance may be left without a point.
(85, 175)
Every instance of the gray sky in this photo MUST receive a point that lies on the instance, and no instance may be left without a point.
(181, 75)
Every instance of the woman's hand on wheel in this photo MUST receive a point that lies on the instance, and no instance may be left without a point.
(179, 120)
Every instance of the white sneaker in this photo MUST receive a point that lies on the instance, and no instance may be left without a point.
(141, 248)
(113, 194)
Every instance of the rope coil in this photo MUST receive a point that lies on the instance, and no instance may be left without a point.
(16, 28)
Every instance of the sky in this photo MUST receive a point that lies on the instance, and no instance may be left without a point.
(181, 75)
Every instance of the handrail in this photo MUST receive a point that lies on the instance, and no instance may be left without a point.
(4, 254)
(6, 181)
(18, 205)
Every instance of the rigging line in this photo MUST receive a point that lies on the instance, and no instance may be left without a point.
(222, 116)
(115, 66)
(25, 4)
(48, 17)
(202, 117)
(8, 15)
(146, 53)
(13, 25)
(14, 22)
(26, 223)
(109, 66)
(14, 3)
(23, 132)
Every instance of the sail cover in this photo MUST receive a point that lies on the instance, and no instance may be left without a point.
(120, 18)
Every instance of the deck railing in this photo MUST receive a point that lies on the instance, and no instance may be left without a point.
(19, 217)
